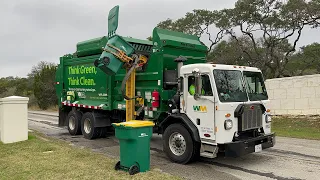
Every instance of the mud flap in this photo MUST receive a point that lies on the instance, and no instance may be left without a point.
(62, 118)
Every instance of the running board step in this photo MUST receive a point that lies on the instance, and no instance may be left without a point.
(208, 150)
(208, 155)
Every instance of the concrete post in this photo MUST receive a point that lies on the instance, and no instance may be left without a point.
(13, 119)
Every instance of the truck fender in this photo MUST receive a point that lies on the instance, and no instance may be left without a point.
(183, 119)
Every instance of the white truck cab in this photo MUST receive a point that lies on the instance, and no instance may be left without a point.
(229, 107)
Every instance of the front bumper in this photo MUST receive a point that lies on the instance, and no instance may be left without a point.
(240, 148)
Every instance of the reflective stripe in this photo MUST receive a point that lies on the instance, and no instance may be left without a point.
(81, 105)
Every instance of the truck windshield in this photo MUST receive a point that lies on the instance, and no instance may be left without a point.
(255, 86)
(229, 85)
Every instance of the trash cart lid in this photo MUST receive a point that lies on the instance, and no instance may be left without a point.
(135, 123)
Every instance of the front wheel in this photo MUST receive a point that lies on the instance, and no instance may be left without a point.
(178, 144)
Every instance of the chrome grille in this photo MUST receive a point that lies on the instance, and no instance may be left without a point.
(251, 117)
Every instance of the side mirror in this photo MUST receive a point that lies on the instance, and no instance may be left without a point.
(196, 73)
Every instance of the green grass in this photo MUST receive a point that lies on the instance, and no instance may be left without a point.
(297, 127)
(41, 157)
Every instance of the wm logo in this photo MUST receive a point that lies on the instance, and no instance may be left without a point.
(200, 108)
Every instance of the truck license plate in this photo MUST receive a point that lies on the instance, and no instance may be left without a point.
(258, 148)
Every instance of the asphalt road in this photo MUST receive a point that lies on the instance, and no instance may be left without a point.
(290, 159)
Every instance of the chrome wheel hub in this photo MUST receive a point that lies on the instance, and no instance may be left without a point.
(72, 123)
(87, 126)
(177, 144)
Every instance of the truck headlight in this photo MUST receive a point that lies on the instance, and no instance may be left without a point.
(228, 124)
(268, 118)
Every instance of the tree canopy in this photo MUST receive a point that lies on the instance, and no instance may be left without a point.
(306, 61)
(39, 86)
(260, 30)
(44, 85)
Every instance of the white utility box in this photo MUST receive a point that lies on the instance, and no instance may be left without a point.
(13, 119)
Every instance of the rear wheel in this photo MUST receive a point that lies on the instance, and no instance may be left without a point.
(178, 144)
(74, 122)
(133, 170)
(117, 166)
(88, 128)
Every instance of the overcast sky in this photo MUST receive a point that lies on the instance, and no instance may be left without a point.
(43, 30)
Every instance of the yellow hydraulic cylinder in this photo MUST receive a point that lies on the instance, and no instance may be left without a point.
(130, 92)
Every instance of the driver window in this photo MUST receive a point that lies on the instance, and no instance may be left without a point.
(206, 89)
(206, 85)
(191, 85)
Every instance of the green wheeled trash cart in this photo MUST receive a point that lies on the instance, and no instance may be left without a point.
(134, 138)
(108, 62)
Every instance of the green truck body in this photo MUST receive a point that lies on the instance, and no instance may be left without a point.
(94, 89)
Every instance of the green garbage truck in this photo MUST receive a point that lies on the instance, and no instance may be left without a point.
(199, 108)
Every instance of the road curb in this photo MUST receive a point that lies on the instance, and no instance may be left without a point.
(44, 113)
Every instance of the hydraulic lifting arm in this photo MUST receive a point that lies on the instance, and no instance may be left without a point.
(119, 53)
(130, 64)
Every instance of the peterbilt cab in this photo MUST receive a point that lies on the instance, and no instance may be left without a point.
(229, 110)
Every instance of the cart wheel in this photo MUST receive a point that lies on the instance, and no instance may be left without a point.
(133, 170)
(117, 166)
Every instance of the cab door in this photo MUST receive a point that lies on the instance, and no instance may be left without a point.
(201, 110)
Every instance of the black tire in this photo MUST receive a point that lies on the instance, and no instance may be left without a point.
(117, 166)
(93, 132)
(74, 122)
(134, 170)
(191, 147)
